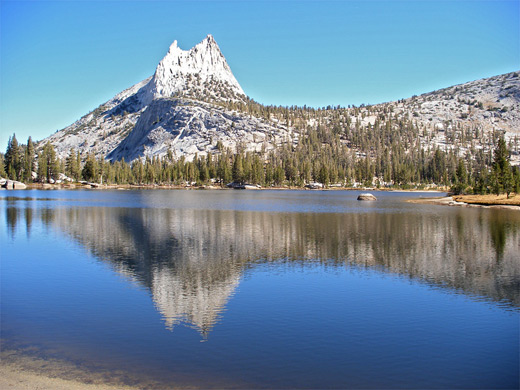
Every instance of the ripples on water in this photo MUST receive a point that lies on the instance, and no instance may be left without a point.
(285, 288)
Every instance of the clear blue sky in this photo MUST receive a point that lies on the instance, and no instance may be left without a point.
(59, 60)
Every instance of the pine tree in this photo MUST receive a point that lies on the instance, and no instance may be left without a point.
(324, 175)
(42, 168)
(516, 179)
(509, 181)
(29, 161)
(258, 171)
(502, 177)
(13, 159)
(279, 175)
(72, 165)
(462, 174)
(3, 173)
(77, 166)
(48, 164)
(90, 169)
(102, 170)
(238, 169)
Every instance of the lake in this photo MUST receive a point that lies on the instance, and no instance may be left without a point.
(261, 289)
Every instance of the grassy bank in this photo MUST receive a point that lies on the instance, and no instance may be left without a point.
(489, 200)
(494, 201)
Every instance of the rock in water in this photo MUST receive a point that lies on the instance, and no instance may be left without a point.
(366, 196)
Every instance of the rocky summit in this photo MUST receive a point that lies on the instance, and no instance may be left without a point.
(184, 108)
(193, 105)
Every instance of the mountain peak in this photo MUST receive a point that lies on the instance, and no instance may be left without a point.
(200, 67)
(173, 47)
(209, 38)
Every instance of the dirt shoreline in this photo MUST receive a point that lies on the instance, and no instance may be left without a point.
(16, 377)
(463, 201)
(40, 186)
(25, 370)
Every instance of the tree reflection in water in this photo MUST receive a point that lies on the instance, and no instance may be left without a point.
(193, 260)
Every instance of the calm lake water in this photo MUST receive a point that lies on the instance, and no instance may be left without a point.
(262, 289)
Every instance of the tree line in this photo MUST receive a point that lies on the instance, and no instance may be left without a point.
(319, 156)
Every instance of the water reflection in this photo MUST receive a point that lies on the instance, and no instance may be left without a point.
(192, 260)
(28, 220)
(499, 231)
(12, 219)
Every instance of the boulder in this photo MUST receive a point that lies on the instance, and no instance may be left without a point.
(366, 196)
(236, 185)
(314, 186)
(14, 185)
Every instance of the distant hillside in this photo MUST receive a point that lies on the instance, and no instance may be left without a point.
(193, 105)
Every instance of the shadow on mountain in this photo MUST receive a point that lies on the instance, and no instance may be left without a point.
(129, 105)
(162, 116)
(133, 103)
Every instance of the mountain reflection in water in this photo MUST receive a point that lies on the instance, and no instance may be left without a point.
(192, 260)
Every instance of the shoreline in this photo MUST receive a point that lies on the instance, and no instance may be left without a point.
(32, 368)
(15, 377)
(97, 186)
(480, 201)
(28, 373)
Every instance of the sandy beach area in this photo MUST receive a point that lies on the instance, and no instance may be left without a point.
(15, 377)
(24, 371)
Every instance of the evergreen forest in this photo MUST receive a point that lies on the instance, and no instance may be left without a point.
(379, 159)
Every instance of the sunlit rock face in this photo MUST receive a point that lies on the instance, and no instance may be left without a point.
(203, 65)
(183, 109)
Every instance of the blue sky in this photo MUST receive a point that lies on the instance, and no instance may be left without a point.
(60, 60)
